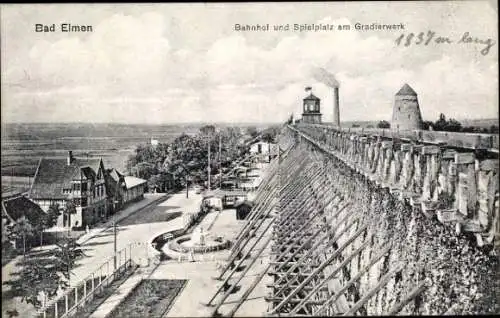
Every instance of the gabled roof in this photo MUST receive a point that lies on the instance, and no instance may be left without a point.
(16, 208)
(406, 90)
(54, 175)
(131, 182)
(113, 178)
(311, 97)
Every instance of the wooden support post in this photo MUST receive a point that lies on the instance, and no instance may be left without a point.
(248, 291)
(238, 247)
(383, 281)
(332, 274)
(320, 268)
(233, 285)
(66, 303)
(414, 293)
(315, 246)
(297, 212)
(313, 236)
(85, 289)
(338, 293)
(241, 262)
(76, 296)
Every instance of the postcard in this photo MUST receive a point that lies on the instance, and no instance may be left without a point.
(249, 159)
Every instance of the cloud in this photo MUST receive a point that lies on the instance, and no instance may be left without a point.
(128, 70)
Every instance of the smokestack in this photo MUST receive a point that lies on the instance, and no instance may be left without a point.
(336, 110)
(322, 75)
(70, 157)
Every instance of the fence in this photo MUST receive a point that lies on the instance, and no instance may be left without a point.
(84, 291)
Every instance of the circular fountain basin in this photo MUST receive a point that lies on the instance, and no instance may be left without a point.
(186, 244)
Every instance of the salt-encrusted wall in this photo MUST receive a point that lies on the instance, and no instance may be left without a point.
(451, 185)
(432, 213)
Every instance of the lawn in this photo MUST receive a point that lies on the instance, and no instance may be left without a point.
(151, 298)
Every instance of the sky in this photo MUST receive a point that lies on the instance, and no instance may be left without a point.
(168, 63)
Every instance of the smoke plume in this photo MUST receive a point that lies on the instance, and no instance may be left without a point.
(322, 75)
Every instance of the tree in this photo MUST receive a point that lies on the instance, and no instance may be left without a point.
(21, 229)
(36, 276)
(69, 209)
(447, 125)
(66, 253)
(144, 170)
(383, 124)
(427, 124)
(453, 125)
(207, 130)
(49, 220)
(42, 274)
(252, 131)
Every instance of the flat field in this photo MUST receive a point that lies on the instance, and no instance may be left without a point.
(24, 144)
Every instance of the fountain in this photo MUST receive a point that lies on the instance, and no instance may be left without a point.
(200, 241)
(198, 238)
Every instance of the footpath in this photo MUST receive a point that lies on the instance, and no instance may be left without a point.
(148, 200)
(181, 203)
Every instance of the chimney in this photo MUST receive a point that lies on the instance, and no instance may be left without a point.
(336, 111)
(70, 157)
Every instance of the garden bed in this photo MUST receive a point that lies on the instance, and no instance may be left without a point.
(150, 298)
(99, 298)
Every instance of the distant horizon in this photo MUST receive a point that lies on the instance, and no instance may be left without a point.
(142, 124)
(220, 123)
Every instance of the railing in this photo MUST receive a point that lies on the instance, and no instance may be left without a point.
(453, 139)
(77, 296)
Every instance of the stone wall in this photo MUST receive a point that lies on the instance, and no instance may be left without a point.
(434, 209)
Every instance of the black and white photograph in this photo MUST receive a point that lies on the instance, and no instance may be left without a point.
(250, 159)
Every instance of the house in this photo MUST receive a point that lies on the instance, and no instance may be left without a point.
(211, 200)
(76, 180)
(134, 189)
(15, 208)
(123, 189)
(265, 151)
(243, 208)
(114, 184)
(229, 197)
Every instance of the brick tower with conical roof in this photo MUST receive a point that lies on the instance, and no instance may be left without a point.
(406, 112)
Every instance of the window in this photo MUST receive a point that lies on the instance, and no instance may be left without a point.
(84, 186)
(409, 116)
(84, 202)
(76, 186)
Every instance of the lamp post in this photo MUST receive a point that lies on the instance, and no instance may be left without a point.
(115, 201)
(208, 169)
(114, 242)
(220, 159)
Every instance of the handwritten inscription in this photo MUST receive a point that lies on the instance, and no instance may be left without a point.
(426, 38)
